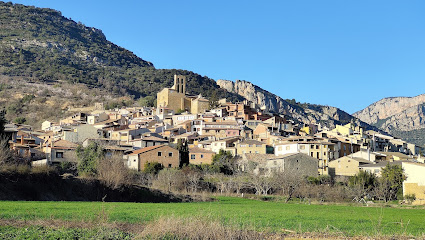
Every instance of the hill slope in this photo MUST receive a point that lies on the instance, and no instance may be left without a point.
(42, 45)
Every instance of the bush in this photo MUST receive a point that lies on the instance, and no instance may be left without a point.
(152, 167)
(20, 120)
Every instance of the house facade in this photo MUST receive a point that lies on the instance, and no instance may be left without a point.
(163, 154)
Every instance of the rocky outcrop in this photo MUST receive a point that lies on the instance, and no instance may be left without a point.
(403, 117)
(396, 113)
(307, 113)
(389, 107)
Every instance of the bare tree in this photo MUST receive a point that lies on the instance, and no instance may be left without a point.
(240, 181)
(290, 182)
(262, 183)
(113, 172)
(192, 179)
(169, 179)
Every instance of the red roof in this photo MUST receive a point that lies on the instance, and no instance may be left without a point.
(146, 149)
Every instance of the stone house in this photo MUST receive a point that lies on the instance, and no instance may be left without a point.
(250, 146)
(227, 144)
(346, 166)
(61, 151)
(200, 156)
(267, 164)
(294, 163)
(163, 154)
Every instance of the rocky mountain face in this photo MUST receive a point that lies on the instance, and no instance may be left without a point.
(303, 112)
(401, 116)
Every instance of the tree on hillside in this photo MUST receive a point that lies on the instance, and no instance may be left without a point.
(213, 100)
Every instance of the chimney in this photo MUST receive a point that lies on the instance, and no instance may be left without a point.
(22, 139)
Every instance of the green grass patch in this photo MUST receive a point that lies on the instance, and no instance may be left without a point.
(39, 232)
(257, 215)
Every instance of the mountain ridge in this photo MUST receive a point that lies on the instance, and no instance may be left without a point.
(401, 116)
(304, 112)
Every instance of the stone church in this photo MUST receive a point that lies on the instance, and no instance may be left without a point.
(175, 98)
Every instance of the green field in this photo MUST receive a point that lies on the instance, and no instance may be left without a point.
(253, 214)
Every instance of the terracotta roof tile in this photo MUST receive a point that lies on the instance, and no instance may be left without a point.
(146, 149)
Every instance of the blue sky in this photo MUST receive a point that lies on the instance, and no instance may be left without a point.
(346, 54)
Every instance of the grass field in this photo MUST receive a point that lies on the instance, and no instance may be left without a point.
(244, 213)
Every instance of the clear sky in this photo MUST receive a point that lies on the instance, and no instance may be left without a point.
(346, 54)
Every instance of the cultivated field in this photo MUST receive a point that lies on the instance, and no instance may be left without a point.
(251, 215)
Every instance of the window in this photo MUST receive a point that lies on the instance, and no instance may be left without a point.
(302, 147)
(312, 146)
(59, 154)
(249, 145)
(169, 165)
(170, 154)
(311, 154)
(192, 156)
(345, 147)
(317, 146)
(159, 154)
(202, 155)
(258, 145)
(256, 151)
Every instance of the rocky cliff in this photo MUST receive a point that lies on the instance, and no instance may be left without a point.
(303, 112)
(401, 116)
(396, 113)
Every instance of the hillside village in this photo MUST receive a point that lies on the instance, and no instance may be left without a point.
(261, 142)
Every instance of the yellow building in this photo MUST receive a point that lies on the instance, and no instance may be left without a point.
(415, 181)
(346, 166)
(251, 146)
(175, 98)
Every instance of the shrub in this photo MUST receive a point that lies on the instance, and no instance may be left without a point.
(152, 167)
